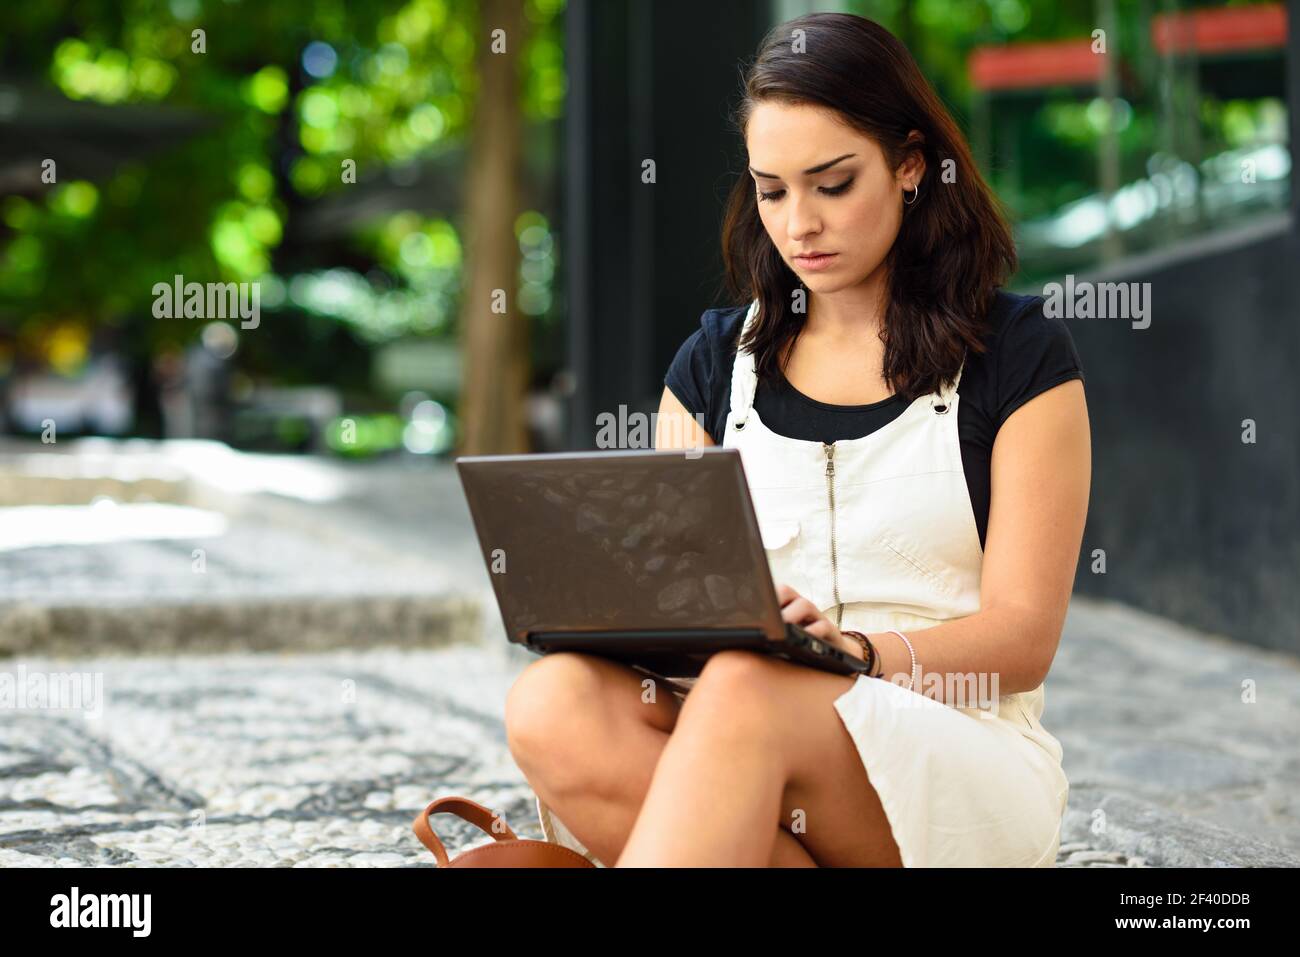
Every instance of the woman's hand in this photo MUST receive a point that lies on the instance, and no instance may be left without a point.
(798, 610)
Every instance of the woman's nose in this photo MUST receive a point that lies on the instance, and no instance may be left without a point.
(801, 220)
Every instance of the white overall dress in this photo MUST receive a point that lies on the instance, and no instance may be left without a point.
(878, 532)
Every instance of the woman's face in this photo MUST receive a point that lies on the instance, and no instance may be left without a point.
(849, 205)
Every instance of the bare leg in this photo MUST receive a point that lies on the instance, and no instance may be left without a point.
(603, 821)
(758, 739)
(589, 717)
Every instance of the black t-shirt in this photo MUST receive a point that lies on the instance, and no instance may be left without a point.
(1029, 353)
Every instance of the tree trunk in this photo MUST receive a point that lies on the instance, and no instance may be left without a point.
(495, 353)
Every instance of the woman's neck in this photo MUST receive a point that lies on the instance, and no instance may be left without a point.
(848, 314)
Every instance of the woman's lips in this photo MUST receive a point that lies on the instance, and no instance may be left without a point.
(815, 262)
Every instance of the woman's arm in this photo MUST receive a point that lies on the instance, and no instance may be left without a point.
(1040, 476)
(676, 428)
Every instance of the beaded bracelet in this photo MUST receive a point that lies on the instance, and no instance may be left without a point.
(868, 649)
(911, 683)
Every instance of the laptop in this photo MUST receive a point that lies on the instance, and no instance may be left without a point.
(648, 557)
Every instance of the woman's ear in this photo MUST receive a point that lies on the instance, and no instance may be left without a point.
(912, 170)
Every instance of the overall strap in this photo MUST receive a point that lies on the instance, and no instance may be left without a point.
(944, 397)
(744, 380)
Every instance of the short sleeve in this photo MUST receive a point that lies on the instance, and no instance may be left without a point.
(1036, 353)
(690, 375)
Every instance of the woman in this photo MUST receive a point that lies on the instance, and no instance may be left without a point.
(916, 444)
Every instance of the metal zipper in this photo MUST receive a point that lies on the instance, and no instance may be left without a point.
(829, 449)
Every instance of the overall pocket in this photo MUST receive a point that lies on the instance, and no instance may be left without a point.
(781, 543)
(909, 562)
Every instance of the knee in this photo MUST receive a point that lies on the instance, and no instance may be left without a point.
(737, 688)
(549, 709)
(738, 670)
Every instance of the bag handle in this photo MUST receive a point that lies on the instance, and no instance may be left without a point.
(465, 809)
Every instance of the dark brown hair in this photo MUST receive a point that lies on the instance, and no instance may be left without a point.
(953, 248)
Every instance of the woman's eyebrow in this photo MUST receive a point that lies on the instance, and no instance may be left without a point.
(819, 168)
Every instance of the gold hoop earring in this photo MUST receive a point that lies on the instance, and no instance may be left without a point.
(916, 192)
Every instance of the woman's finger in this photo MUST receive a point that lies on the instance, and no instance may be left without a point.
(799, 611)
(821, 628)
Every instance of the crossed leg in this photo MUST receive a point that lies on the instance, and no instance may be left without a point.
(587, 735)
(759, 740)
(755, 754)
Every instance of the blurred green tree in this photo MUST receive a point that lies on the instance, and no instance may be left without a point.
(199, 138)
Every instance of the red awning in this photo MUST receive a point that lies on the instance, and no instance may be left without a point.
(1221, 30)
(1031, 65)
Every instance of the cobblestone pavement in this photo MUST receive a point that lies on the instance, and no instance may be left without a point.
(322, 760)
(317, 760)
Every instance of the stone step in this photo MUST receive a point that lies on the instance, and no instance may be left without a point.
(154, 547)
(291, 622)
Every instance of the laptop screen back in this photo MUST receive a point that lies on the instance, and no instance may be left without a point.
(621, 540)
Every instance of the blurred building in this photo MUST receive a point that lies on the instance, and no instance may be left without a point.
(1194, 523)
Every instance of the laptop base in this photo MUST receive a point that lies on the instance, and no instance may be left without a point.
(682, 653)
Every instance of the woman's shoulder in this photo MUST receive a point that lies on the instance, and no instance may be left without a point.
(1018, 325)
(1015, 312)
(697, 375)
(1028, 351)
(712, 344)
(721, 327)
(717, 331)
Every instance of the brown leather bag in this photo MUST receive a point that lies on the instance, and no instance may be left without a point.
(507, 851)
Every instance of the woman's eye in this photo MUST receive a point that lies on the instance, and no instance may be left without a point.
(828, 190)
